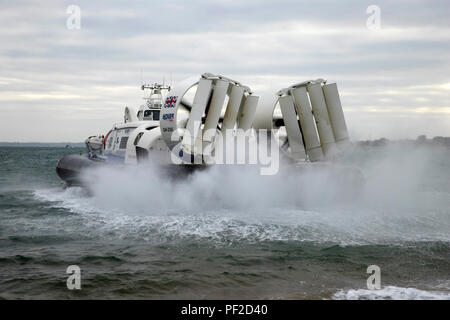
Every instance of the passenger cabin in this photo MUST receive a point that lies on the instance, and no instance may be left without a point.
(116, 140)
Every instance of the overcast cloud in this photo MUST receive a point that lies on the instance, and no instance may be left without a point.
(63, 85)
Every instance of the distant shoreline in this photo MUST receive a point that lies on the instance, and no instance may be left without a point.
(43, 144)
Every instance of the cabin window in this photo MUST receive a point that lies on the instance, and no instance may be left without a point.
(123, 143)
(151, 114)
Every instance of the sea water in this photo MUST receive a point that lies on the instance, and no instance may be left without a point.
(218, 233)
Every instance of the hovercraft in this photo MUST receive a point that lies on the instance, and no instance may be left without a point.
(215, 120)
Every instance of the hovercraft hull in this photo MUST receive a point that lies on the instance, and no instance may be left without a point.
(70, 166)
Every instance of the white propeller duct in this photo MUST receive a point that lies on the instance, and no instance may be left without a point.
(319, 109)
(304, 111)
(336, 114)
(188, 128)
(312, 116)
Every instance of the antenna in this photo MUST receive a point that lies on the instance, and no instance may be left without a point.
(171, 79)
(142, 79)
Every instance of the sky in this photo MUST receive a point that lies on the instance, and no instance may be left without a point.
(60, 83)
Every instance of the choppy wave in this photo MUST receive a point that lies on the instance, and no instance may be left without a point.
(391, 293)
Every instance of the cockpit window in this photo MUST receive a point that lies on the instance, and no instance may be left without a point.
(151, 114)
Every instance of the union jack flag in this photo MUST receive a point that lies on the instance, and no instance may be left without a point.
(170, 102)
